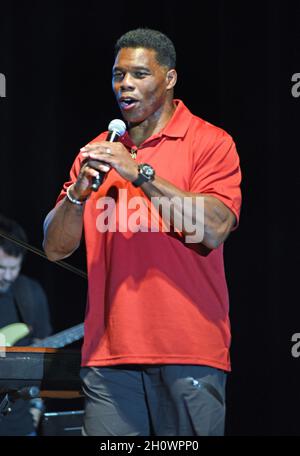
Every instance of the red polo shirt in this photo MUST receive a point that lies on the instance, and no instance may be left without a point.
(152, 298)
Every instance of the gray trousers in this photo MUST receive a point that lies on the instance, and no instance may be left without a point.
(164, 400)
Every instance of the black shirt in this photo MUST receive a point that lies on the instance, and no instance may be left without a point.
(8, 309)
(9, 314)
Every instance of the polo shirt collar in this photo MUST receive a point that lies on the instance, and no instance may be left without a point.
(175, 128)
(179, 122)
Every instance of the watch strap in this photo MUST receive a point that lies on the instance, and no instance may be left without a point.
(140, 180)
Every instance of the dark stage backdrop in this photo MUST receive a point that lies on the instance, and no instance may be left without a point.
(236, 61)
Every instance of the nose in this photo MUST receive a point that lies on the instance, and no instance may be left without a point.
(127, 82)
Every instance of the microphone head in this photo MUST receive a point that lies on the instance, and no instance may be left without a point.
(118, 126)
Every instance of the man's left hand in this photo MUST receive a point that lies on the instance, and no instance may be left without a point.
(114, 154)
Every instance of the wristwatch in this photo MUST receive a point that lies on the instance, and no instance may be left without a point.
(146, 174)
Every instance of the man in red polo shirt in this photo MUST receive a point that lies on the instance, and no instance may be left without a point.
(157, 332)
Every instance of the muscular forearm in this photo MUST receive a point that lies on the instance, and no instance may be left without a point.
(63, 230)
(214, 224)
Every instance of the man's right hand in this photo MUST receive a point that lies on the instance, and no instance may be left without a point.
(89, 169)
(63, 225)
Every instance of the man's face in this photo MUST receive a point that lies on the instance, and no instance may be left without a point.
(10, 267)
(140, 84)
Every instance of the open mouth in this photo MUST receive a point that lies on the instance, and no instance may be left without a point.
(128, 103)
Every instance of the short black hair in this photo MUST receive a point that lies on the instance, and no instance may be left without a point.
(150, 39)
(12, 228)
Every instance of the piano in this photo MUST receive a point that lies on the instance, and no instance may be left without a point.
(55, 372)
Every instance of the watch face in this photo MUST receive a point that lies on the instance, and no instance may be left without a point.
(147, 170)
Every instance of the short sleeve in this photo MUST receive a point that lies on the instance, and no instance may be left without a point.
(75, 169)
(217, 169)
(73, 177)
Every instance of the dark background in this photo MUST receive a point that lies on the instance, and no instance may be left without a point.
(235, 64)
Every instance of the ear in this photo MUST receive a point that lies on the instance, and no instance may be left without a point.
(171, 78)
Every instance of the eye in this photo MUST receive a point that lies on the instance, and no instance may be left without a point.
(117, 76)
(140, 74)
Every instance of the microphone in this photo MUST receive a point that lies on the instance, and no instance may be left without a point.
(116, 128)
